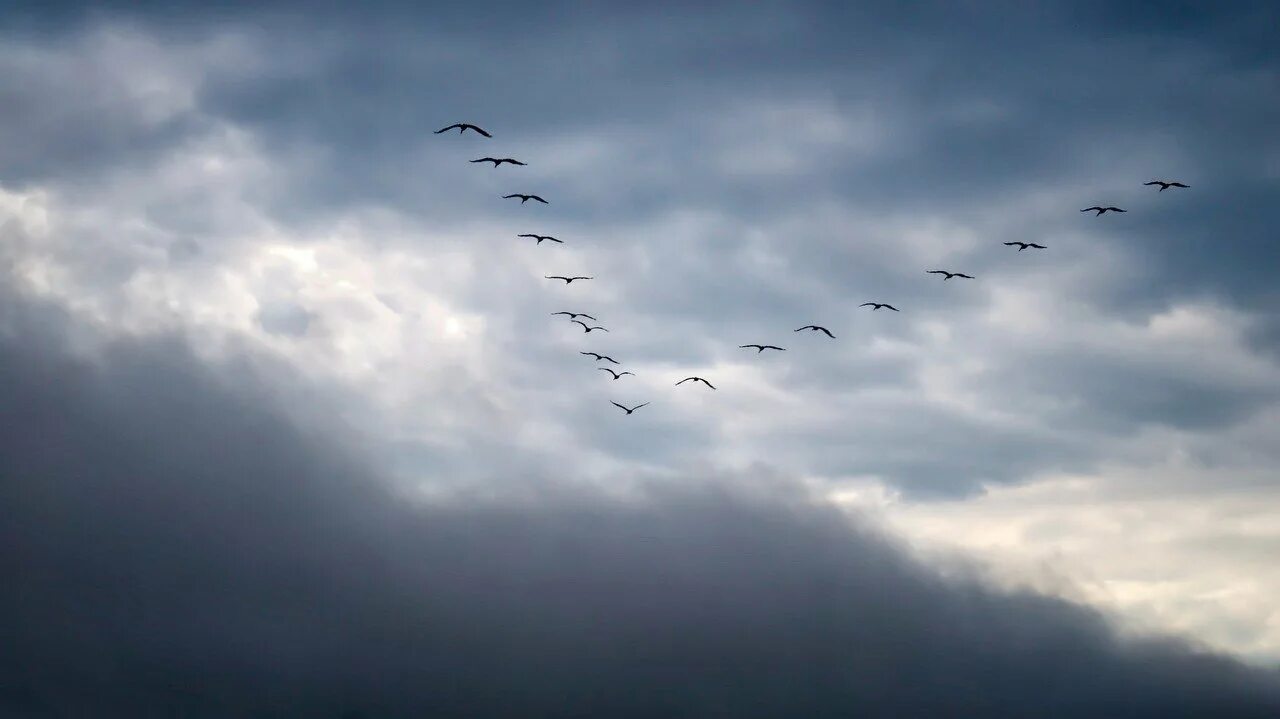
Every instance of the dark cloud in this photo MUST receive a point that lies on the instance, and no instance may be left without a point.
(173, 544)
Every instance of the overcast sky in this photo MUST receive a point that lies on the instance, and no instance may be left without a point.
(288, 427)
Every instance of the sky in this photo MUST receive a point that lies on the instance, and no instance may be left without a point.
(288, 428)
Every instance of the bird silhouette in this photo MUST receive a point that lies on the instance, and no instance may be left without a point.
(1101, 210)
(499, 161)
(567, 280)
(816, 328)
(695, 379)
(1165, 185)
(586, 328)
(462, 128)
(1024, 245)
(525, 198)
(599, 357)
(624, 409)
(616, 375)
(949, 275)
(877, 305)
(540, 238)
(575, 315)
(762, 348)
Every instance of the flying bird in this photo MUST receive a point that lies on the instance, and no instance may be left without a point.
(762, 348)
(586, 328)
(877, 305)
(499, 160)
(462, 128)
(1165, 185)
(1024, 245)
(949, 275)
(816, 328)
(695, 379)
(540, 238)
(525, 198)
(567, 280)
(599, 357)
(624, 409)
(616, 375)
(1101, 210)
(575, 315)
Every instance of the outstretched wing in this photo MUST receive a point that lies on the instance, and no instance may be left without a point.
(638, 406)
(446, 129)
(539, 199)
(827, 332)
(584, 324)
(508, 197)
(633, 374)
(1091, 209)
(466, 127)
(606, 369)
(937, 272)
(607, 359)
(686, 379)
(1178, 184)
(615, 404)
(961, 274)
(706, 383)
(895, 309)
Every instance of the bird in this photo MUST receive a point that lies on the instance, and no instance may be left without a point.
(525, 198)
(877, 305)
(762, 348)
(586, 328)
(816, 328)
(575, 315)
(1102, 210)
(616, 375)
(567, 280)
(695, 379)
(624, 409)
(1024, 245)
(949, 275)
(462, 128)
(599, 357)
(540, 238)
(1165, 185)
(499, 160)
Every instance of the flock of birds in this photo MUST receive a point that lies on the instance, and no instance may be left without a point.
(463, 127)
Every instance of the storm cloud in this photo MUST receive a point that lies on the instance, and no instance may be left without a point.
(174, 543)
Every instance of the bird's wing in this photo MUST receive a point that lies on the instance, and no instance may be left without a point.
(485, 159)
(584, 278)
(1041, 247)
(1178, 184)
(514, 162)
(600, 328)
(615, 404)
(961, 274)
(605, 369)
(553, 314)
(895, 309)
(1090, 209)
(638, 406)
(549, 237)
(867, 304)
(446, 129)
(584, 324)
(1153, 182)
(606, 357)
(828, 332)
(707, 383)
(774, 347)
(633, 374)
(937, 272)
(539, 199)
(686, 379)
(482, 132)
(533, 236)
(584, 314)
(592, 354)
(746, 346)
(507, 197)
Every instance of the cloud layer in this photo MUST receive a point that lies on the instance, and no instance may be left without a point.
(173, 543)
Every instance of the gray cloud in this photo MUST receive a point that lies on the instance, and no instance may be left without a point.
(173, 543)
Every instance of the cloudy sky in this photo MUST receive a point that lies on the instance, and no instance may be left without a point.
(288, 429)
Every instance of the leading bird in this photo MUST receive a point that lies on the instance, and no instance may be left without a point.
(877, 305)
(762, 348)
(624, 409)
(540, 238)
(1101, 210)
(1165, 185)
(567, 280)
(695, 379)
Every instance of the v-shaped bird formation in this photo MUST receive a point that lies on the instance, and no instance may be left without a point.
(463, 128)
